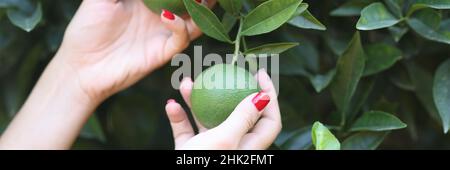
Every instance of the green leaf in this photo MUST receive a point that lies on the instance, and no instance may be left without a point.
(228, 21)
(376, 16)
(401, 78)
(307, 21)
(364, 141)
(380, 57)
(398, 32)
(377, 121)
(231, 6)
(441, 93)
(427, 24)
(320, 82)
(323, 139)
(301, 8)
(361, 97)
(24, 19)
(93, 129)
(350, 8)
(207, 21)
(304, 57)
(429, 17)
(423, 83)
(269, 16)
(435, 4)
(395, 7)
(275, 48)
(299, 140)
(350, 68)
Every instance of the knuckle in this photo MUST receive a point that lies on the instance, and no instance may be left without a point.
(250, 119)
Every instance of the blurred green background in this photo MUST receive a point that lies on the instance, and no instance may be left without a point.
(135, 118)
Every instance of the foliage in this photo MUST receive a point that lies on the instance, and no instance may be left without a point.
(376, 72)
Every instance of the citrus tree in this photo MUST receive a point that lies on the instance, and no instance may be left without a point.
(355, 74)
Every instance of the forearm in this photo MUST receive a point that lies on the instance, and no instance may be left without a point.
(53, 114)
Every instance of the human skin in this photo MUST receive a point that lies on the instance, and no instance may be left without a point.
(99, 56)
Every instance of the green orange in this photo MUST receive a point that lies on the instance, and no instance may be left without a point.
(218, 90)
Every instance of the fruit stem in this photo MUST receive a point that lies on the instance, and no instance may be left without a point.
(237, 44)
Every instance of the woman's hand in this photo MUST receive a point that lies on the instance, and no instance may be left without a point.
(247, 128)
(111, 44)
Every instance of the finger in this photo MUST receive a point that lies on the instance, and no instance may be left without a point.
(179, 121)
(245, 115)
(186, 91)
(179, 40)
(193, 30)
(269, 126)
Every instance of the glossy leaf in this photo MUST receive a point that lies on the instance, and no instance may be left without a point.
(228, 21)
(380, 57)
(274, 48)
(299, 140)
(24, 19)
(398, 32)
(377, 121)
(364, 141)
(423, 83)
(301, 8)
(429, 27)
(207, 21)
(307, 21)
(376, 16)
(320, 82)
(350, 8)
(350, 68)
(231, 6)
(323, 139)
(435, 4)
(401, 78)
(361, 97)
(441, 93)
(395, 6)
(269, 16)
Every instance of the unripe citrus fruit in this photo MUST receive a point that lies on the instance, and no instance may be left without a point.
(218, 90)
(175, 6)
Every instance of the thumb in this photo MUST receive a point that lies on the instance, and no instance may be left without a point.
(245, 115)
(179, 39)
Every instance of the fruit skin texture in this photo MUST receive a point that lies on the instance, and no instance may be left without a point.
(175, 6)
(213, 98)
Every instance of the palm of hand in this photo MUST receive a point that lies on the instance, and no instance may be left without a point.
(112, 44)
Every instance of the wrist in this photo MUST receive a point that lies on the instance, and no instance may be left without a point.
(68, 70)
(53, 114)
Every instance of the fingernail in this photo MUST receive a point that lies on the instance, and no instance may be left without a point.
(171, 101)
(261, 100)
(199, 1)
(167, 14)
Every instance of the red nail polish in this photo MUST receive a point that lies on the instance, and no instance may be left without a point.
(261, 100)
(167, 14)
(171, 101)
(199, 1)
